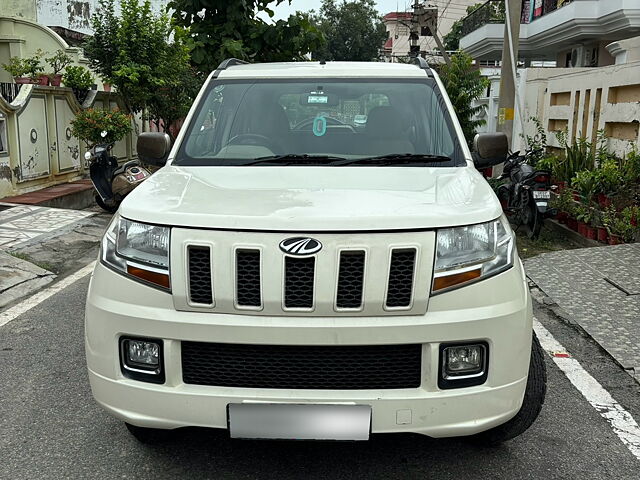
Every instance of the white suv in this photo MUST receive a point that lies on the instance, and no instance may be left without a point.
(288, 275)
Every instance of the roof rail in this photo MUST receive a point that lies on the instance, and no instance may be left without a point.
(422, 63)
(230, 62)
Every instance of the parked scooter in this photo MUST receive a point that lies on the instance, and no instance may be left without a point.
(112, 182)
(525, 196)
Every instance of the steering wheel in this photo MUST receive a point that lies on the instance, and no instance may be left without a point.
(255, 139)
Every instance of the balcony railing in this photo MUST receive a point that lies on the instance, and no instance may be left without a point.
(9, 91)
(493, 11)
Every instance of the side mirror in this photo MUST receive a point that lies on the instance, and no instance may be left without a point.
(490, 149)
(153, 148)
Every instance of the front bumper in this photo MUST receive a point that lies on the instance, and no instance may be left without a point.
(496, 310)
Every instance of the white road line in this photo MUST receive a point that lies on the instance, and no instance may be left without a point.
(620, 420)
(38, 298)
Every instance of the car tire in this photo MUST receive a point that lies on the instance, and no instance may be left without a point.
(531, 405)
(149, 436)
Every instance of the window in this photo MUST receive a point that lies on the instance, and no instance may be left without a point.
(240, 121)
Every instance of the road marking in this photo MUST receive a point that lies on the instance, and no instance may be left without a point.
(38, 298)
(620, 420)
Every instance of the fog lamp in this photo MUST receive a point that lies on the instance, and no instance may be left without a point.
(141, 359)
(142, 353)
(463, 365)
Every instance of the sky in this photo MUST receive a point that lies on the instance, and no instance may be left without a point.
(283, 10)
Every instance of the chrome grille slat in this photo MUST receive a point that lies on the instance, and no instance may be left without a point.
(354, 274)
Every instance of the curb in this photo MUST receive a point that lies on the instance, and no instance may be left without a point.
(543, 300)
(573, 236)
(21, 278)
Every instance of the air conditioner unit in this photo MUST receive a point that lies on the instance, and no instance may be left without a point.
(577, 56)
(582, 56)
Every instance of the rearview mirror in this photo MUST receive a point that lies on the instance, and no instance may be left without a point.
(153, 148)
(490, 149)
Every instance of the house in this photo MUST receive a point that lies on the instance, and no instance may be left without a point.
(594, 87)
(399, 26)
(573, 33)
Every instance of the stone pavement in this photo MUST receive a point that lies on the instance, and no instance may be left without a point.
(38, 243)
(599, 288)
(20, 224)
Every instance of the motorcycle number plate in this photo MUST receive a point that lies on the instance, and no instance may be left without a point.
(541, 194)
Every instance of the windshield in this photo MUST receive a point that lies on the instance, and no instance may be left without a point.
(241, 122)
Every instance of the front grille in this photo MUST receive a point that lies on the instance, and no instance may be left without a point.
(200, 275)
(298, 282)
(248, 278)
(350, 280)
(400, 284)
(302, 367)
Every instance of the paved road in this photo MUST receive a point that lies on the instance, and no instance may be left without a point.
(51, 428)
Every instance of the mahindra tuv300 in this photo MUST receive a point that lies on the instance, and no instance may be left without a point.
(318, 259)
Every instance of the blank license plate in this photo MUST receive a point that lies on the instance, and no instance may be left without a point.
(542, 194)
(299, 422)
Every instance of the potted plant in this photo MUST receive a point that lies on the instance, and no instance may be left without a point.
(591, 231)
(609, 180)
(582, 217)
(58, 62)
(586, 184)
(25, 70)
(89, 124)
(562, 202)
(572, 207)
(598, 225)
(79, 79)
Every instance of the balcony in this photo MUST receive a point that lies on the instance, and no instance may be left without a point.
(553, 26)
(492, 11)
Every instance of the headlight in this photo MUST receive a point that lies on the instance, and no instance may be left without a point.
(471, 253)
(137, 250)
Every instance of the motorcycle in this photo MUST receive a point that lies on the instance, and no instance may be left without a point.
(526, 194)
(111, 181)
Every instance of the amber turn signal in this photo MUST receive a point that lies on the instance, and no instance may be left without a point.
(161, 279)
(440, 283)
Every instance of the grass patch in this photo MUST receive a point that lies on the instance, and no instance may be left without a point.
(27, 258)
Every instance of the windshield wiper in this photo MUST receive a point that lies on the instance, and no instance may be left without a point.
(395, 159)
(295, 159)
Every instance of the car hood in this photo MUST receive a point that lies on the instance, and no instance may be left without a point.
(313, 198)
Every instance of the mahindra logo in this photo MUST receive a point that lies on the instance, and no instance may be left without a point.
(300, 246)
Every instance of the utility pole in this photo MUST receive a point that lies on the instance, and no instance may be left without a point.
(506, 106)
(425, 17)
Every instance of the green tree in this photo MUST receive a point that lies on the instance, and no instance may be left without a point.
(464, 84)
(219, 29)
(353, 31)
(133, 51)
